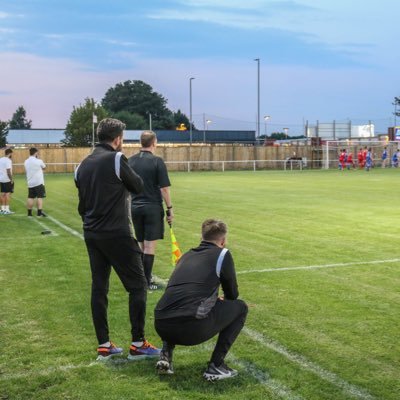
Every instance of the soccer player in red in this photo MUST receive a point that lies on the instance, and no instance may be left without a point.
(360, 158)
(342, 159)
(365, 152)
(349, 161)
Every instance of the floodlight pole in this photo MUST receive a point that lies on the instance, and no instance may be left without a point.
(94, 120)
(258, 97)
(190, 106)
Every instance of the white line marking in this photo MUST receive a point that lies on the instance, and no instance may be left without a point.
(265, 379)
(44, 226)
(65, 227)
(308, 267)
(332, 378)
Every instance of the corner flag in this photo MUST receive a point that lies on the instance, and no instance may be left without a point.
(176, 253)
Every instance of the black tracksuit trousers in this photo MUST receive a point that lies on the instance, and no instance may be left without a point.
(119, 253)
(227, 318)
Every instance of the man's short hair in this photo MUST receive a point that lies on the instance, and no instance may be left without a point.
(212, 230)
(33, 151)
(147, 138)
(109, 129)
(8, 151)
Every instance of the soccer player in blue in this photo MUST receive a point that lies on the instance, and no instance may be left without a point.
(368, 160)
(395, 160)
(384, 157)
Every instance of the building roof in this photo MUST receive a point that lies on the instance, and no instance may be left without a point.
(51, 136)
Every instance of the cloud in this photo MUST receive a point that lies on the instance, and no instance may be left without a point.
(5, 15)
(120, 43)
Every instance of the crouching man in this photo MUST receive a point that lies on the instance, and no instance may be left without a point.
(190, 311)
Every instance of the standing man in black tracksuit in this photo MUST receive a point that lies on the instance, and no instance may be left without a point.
(104, 180)
(190, 311)
(147, 206)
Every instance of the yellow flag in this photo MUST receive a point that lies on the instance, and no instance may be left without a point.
(176, 253)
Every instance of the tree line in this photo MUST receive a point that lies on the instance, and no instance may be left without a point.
(134, 102)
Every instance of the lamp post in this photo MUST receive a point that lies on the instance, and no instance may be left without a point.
(208, 121)
(190, 104)
(258, 97)
(286, 130)
(266, 118)
(94, 121)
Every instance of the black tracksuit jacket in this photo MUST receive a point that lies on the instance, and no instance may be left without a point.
(104, 180)
(192, 290)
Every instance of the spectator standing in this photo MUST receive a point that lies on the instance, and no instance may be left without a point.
(34, 167)
(6, 182)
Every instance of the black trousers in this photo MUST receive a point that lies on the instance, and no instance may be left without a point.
(226, 318)
(127, 262)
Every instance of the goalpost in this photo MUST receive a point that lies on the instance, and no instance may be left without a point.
(332, 148)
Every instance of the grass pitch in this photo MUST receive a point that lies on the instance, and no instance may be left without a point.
(317, 258)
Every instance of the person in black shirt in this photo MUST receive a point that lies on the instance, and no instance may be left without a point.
(147, 208)
(104, 180)
(190, 311)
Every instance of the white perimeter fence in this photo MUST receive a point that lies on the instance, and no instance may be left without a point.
(189, 166)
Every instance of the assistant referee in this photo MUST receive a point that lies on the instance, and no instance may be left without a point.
(147, 207)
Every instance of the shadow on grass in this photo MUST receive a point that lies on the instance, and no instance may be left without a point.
(187, 377)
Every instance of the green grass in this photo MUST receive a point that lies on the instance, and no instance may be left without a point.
(327, 333)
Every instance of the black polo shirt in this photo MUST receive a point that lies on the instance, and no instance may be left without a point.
(154, 174)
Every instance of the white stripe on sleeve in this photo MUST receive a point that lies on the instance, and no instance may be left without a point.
(118, 164)
(220, 261)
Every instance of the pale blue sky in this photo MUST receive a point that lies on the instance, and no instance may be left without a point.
(320, 60)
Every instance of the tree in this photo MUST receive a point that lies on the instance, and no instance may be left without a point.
(137, 97)
(79, 130)
(396, 112)
(19, 121)
(279, 136)
(132, 121)
(3, 133)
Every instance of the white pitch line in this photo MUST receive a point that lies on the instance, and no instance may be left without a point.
(308, 267)
(265, 379)
(65, 227)
(44, 226)
(259, 375)
(308, 365)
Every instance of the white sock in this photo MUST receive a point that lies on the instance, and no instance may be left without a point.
(106, 344)
(3, 208)
(7, 208)
(137, 344)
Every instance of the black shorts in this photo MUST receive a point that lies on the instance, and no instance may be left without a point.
(37, 191)
(148, 222)
(7, 187)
